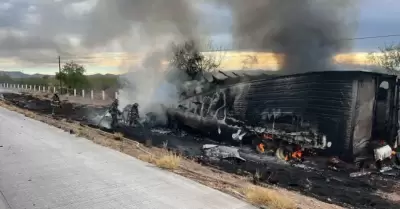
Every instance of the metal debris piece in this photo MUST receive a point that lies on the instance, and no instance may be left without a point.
(382, 153)
(238, 136)
(385, 169)
(360, 173)
(391, 173)
(221, 152)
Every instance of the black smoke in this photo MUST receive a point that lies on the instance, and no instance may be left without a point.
(307, 33)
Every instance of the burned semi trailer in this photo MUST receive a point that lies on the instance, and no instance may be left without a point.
(336, 112)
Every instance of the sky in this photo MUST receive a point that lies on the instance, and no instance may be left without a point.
(377, 18)
(108, 38)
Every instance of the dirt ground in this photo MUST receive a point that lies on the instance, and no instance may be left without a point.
(308, 188)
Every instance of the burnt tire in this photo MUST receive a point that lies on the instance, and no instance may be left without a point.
(281, 153)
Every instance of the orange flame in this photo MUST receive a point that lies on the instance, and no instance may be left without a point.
(297, 154)
(260, 147)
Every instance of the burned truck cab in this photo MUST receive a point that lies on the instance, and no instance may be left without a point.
(336, 113)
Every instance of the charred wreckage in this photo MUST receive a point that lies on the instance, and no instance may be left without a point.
(349, 114)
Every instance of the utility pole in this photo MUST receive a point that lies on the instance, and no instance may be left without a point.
(59, 71)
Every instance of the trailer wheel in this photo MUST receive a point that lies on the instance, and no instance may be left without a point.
(281, 154)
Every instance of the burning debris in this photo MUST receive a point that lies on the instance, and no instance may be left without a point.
(218, 116)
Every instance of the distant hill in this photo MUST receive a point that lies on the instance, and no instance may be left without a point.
(38, 75)
(14, 74)
(103, 75)
(19, 74)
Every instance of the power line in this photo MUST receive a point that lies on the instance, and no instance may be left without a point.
(372, 37)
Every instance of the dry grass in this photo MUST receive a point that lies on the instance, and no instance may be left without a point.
(12, 108)
(147, 158)
(26, 113)
(82, 133)
(118, 136)
(169, 161)
(267, 197)
(29, 114)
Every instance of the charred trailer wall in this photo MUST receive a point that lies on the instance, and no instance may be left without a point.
(338, 104)
(322, 102)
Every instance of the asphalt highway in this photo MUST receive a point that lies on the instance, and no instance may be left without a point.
(46, 168)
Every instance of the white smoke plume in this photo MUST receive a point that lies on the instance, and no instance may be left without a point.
(146, 83)
(148, 27)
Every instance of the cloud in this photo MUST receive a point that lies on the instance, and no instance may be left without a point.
(38, 31)
(377, 18)
(5, 6)
(31, 31)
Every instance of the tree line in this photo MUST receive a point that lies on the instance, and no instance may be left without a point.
(72, 76)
